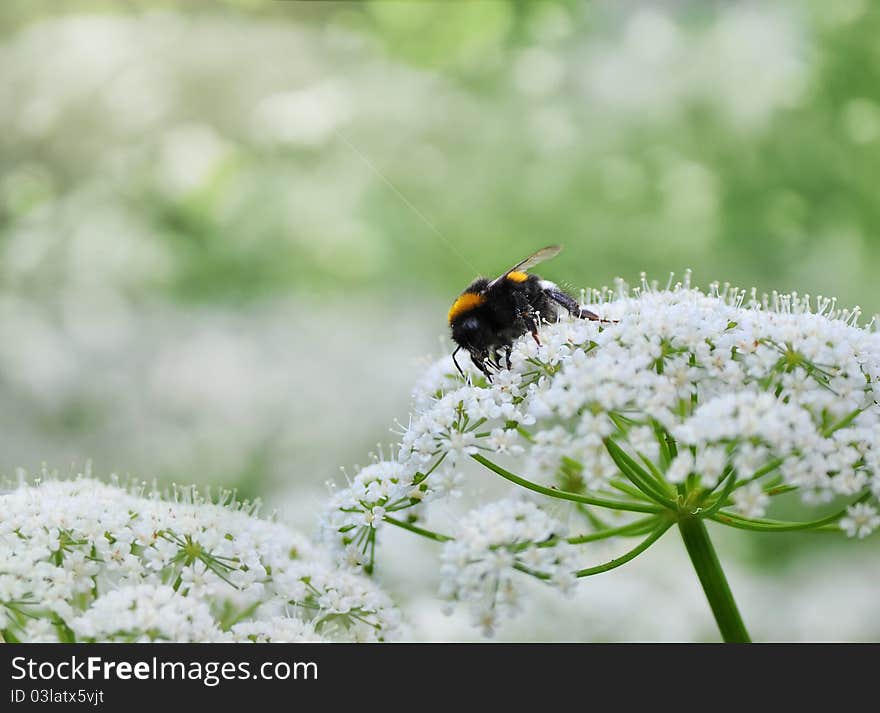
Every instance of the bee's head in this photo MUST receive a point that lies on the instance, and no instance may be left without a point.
(472, 334)
(469, 325)
(468, 332)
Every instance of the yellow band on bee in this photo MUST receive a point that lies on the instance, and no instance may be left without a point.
(517, 276)
(465, 303)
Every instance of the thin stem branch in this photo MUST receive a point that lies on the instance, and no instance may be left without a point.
(722, 498)
(431, 535)
(624, 558)
(632, 529)
(625, 488)
(637, 475)
(765, 525)
(562, 494)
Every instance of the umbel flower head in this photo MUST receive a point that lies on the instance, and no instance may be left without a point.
(686, 406)
(84, 560)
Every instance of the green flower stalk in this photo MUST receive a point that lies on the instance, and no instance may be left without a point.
(689, 407)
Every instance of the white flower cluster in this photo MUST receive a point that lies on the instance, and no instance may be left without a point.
(83, 560)
(357, 511)
(492, 542)
(742, 382)
(721, 400)
(354, 514)
(861, 520)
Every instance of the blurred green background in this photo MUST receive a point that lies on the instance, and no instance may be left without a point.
(230, 231)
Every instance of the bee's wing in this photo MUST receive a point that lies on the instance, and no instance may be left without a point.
(532, 260)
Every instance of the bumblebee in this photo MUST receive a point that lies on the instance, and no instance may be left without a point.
(490, 314)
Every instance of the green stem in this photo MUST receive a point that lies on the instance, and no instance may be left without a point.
(626, 557)
(625, 488)
(633, 529)
(705, 561)
(765, 525)
(562, 494)
(436, 536)
(842, 423)
(722, 498)
(637, 475)
(760, 473)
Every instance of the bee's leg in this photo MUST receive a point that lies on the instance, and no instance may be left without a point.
(455, 361)
(480, 360)
(481, 365)
(532, 323)
(526, 312)
(570, 304)
(507, 349)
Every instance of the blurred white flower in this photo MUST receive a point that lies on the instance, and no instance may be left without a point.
(860, 521)
(751, 500)
(494, 540)
(97, 562)
(146, 612)
(278, 630)
(680, 468)
(308, 116)
(189, 155)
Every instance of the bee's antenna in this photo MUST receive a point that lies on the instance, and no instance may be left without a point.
(387, 181)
